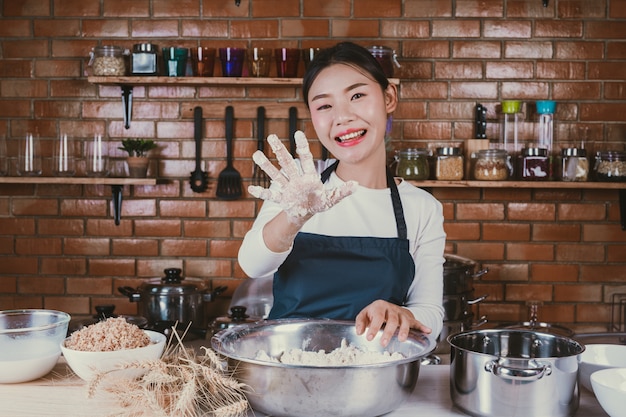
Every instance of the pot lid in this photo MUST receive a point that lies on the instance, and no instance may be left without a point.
(458, 262)
(539, 326)
(104, 312)
(173, 284)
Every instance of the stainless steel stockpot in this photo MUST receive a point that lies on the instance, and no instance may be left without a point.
(458, 306)
(172, 299)
(459, 274)
(514, 373)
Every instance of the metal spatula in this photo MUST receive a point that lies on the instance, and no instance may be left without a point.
(229, 181)
(199, 180)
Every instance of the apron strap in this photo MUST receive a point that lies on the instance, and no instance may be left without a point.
(395, 199)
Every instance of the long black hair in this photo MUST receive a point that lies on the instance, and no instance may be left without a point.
(347, 53)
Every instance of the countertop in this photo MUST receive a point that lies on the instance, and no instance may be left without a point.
(62, 394)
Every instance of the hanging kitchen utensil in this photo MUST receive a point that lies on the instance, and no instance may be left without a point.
(199, 179)
(259, 177)
(229, 181)
(293, 126)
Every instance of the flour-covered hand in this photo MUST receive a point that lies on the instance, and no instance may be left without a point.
(299, 191)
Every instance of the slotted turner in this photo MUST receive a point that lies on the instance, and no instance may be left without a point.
(229, 181)
(199, 180)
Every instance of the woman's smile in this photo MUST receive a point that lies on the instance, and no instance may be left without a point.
(351, 138)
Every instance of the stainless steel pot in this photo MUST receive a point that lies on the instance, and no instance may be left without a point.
(458, 306)
(236, 317)
(172, 299)
(104, 312)
(451, 327)
(459, 274)
(514, 373)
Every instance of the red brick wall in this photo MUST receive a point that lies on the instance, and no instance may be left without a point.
(59, 247)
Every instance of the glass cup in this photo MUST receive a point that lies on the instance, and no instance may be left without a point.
(232, 61)
(308, 54)
(4, 165)
(175, 59)
(203, 59)
(29, 155)
(63, 159)
(287, 60)
(97, 158)
(259, 60)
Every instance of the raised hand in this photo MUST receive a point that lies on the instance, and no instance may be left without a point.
(298, 191)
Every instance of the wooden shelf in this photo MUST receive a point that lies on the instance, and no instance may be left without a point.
(521, 184)
(200, 81)
(586, 185)
(128, 82)
(116, 186)
(78, 180)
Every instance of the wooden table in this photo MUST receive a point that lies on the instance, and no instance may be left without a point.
(61, 394)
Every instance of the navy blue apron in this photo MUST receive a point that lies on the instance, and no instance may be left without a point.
(336, 277)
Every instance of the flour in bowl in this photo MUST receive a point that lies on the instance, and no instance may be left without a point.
(345, 355)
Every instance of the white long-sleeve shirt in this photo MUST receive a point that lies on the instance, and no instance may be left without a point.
(369, 212)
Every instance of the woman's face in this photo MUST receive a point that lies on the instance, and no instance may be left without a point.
(349, 112)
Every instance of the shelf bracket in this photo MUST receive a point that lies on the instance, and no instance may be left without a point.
(127, 102)
(622, 207)
(117, 203)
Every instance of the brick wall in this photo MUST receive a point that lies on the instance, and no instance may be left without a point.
(59, 247)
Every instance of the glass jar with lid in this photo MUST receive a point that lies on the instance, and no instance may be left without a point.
(108, 60)
(412, 164)
(448, 163)
(573, 164)
(491, 165)
(610, 166)
(533, 164)
(144, 59)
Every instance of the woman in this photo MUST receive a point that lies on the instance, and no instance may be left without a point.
(354, 243)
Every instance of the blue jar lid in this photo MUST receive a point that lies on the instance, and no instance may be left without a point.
(546, 106)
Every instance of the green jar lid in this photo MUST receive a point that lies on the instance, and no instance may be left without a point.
(511, 106)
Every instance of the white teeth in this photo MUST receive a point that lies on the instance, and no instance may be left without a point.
(349, 136)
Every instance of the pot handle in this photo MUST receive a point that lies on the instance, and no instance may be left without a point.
(480, 273)
(210, 296)
(477, 300)
(130, 293)
(519, 374)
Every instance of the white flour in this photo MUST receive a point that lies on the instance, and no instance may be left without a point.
(345, 355)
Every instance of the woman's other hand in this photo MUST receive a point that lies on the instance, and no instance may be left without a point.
(300, 192)
(392, 317)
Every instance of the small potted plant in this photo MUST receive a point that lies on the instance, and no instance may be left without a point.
(137, 160)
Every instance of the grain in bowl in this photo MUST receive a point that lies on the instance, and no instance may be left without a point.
(111, 345)
(114, 333)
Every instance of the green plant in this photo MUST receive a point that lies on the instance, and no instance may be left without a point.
(137, 147)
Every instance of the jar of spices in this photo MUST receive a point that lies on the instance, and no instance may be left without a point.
(108, 60)
(574, 165)
(144, 59)
(534, 164)
(491, 165)
(448, 163)
(610, 166)
(412, 164)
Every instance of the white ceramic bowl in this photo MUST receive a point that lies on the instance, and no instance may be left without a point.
(87, 364)
(29, 343)
(609, 386)
(597, 357)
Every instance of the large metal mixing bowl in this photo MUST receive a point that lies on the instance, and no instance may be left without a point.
(282, 390)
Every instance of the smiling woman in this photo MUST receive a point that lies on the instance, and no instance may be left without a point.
(342, 245)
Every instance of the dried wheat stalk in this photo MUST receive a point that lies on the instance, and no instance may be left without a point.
(180, 383)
